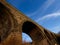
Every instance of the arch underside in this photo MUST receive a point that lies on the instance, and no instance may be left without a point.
(32, 30)
(38, 36)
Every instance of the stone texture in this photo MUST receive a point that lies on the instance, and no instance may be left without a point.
(13, 23)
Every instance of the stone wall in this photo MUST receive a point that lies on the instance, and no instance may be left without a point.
(13, 23)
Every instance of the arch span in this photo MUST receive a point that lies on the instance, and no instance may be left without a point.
(33, 31)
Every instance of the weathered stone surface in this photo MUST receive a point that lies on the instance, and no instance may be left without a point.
(13, 23)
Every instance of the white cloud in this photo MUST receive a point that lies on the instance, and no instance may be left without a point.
(42, 8)
(49, 16)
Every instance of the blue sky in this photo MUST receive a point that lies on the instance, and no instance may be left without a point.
(44, 12)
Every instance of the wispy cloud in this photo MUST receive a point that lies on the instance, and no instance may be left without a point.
(55, 29)
(42, 8)
(49, 16)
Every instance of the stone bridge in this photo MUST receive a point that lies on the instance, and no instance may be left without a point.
(13, 23)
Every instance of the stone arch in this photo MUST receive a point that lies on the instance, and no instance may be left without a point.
(33, 31)
(29, 27)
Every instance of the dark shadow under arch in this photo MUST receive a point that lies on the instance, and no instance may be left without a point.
(32, 30)
(28, 26)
